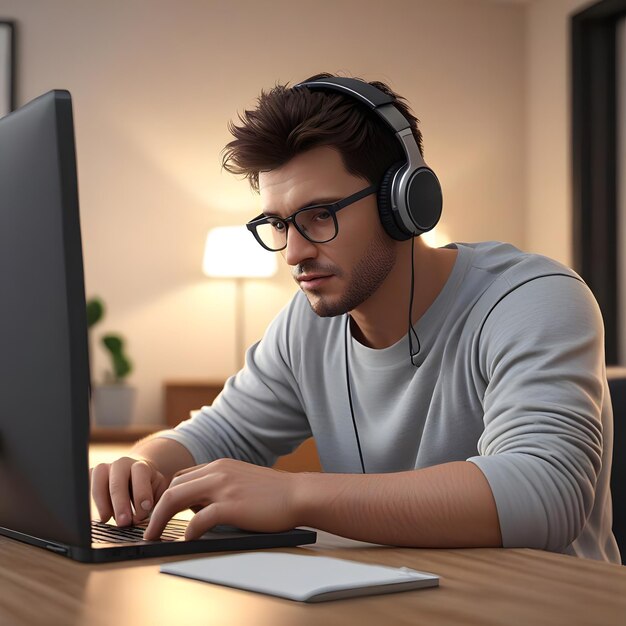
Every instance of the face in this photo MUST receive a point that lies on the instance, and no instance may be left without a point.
(341, 274)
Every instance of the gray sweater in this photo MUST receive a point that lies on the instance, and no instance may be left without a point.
(511, 377)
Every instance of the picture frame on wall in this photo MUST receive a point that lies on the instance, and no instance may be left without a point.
(7, 67)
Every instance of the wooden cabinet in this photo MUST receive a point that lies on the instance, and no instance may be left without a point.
(182, 397)
(302, 459)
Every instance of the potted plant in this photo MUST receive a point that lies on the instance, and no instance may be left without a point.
(112, 401)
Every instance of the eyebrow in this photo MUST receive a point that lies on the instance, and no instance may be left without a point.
(314, 202)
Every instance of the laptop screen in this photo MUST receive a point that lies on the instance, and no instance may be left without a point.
(44, 363)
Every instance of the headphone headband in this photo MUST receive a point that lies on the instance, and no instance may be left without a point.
(410, 199)
(365, 93)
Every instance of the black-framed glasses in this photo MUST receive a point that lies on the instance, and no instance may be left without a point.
(317, 223)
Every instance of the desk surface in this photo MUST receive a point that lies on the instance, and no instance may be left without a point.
(482, 586)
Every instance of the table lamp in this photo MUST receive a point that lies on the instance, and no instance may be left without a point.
(231, 252)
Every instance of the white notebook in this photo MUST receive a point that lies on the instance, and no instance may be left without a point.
(301, 577)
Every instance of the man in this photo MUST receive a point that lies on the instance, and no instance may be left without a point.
(484, 421)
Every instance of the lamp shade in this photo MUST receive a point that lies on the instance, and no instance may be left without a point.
(232, 252)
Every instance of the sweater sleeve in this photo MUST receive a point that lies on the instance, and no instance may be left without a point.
(258, 416)
(541, 355)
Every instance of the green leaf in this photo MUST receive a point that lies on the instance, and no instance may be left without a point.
(95, 311)
(122, 366)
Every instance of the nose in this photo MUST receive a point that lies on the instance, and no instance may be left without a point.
(299, 248)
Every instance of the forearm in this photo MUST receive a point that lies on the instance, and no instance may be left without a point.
(444, 506)
(167, 455)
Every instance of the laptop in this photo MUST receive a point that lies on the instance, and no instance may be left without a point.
(44, 361)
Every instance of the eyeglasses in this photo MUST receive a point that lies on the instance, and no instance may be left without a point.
(317, 223)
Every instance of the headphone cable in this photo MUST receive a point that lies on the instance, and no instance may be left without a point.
(412, 354)
(356, 432)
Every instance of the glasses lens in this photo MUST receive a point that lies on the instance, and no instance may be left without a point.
(273, 234)
(317, 224)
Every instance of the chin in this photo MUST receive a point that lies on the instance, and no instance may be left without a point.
(322, 306)
(327, 307)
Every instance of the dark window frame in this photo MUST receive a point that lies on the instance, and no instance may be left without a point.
(594, 157)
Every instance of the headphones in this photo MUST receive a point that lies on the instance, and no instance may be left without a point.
(409, 195)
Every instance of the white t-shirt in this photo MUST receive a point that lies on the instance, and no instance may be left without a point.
(510, 376)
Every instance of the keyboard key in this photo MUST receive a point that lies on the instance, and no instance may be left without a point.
(108, 533)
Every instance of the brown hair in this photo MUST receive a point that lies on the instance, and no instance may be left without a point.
(289, 121)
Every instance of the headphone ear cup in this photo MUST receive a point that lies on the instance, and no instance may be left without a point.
(385, 210)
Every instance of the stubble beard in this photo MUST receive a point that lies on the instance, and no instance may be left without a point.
(367, 276)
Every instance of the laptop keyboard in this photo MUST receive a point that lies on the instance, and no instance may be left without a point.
(106, 533)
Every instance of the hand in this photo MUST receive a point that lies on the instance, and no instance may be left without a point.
(126, 484)
(228, 492)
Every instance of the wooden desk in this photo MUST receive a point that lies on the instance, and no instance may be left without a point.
(478, 587)
(485, 587)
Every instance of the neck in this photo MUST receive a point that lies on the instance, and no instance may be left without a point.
(382, 320)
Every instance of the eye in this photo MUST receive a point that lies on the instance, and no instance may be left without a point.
(321, 215)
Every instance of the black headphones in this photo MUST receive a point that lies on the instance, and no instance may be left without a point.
(409, 195)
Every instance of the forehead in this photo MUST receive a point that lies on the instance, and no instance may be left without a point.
(316, 175)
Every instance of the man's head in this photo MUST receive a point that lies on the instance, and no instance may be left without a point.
(301, 147)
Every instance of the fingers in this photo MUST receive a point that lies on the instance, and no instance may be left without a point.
(175, 499)
(142, 477)
(163, 512)
(159, 487)
(127, 483)
(100, 491)
(187, 490)
(119, 489)
(203, 520)
(226, 492)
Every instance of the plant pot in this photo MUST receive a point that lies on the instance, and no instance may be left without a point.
(113, 405)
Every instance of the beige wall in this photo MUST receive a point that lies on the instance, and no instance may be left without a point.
(548, 215)
(154, 84)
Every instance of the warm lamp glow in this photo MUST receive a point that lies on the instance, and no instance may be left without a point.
(232, 252)
(435, 238)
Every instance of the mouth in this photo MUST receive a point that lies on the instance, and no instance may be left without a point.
(313, 281)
